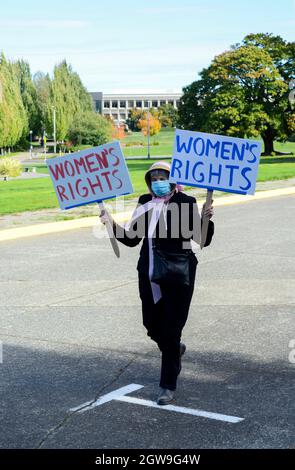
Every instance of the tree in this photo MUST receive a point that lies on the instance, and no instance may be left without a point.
(281, 52)
(168, 115)
(29, 96)
(90, 128)
(44, 94)
(69, 96)
(27, 104)
(244, 92)
(134, 117)
(152, 124)
(13, 118)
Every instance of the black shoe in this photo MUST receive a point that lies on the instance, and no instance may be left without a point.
(165, 397)
(182, 349)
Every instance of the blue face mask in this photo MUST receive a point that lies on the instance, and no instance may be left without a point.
(161, 188)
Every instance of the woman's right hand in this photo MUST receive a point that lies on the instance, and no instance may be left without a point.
(209, 212)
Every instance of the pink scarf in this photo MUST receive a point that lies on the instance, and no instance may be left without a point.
(158, 204)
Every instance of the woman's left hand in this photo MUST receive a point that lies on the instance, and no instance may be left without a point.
(105, 217)
(209, 212)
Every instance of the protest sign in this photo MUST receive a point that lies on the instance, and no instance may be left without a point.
(91, 175)
(215, 162)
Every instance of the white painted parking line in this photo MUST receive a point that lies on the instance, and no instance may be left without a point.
(120, 392)
(181, 409)
(120, 395)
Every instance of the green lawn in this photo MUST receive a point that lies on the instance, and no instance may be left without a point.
(163, 141)
(165, 147)
(26, 195)
(135, 145)
(34, 194)
(165, 136)
(276, 168)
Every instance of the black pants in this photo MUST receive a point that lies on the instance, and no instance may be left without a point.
(165, 320)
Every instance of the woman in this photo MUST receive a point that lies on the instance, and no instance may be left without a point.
(165, 305)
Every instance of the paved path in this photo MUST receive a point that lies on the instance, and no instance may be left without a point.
(70, 323)
(29, 175)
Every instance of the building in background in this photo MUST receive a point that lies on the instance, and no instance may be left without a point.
(117, 106)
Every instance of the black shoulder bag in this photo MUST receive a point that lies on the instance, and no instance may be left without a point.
(170, 268)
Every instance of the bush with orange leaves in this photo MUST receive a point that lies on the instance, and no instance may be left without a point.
(154, 124)
(118, 132)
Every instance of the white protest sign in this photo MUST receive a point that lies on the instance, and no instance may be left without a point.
(215, 162)
(91, 175)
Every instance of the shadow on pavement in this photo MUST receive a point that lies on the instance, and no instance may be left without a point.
(40, 385)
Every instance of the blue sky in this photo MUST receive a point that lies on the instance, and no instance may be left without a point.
(135, 45)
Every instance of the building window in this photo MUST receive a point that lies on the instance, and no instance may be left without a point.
(139, 104)
(130, 104)
(170, 102)
(177, 103)
(146, 104)
(97, 105)
(162, 103)
(122, 117)
(122, 104)
(115, 117)
(114, 104)
(106, 104)
(154, 104)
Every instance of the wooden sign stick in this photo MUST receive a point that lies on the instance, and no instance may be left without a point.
(111, 234)
(205, 219)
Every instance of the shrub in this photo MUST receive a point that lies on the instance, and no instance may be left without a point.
(10, 167)
(154, 125)
(118, 132)
(90, 128)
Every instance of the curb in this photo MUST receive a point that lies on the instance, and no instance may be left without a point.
(86, 222)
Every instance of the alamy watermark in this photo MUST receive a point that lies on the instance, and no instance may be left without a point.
(178, 221)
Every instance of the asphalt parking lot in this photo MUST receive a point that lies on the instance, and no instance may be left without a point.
(71, 333)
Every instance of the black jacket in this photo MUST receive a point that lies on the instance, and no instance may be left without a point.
(174, 239)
